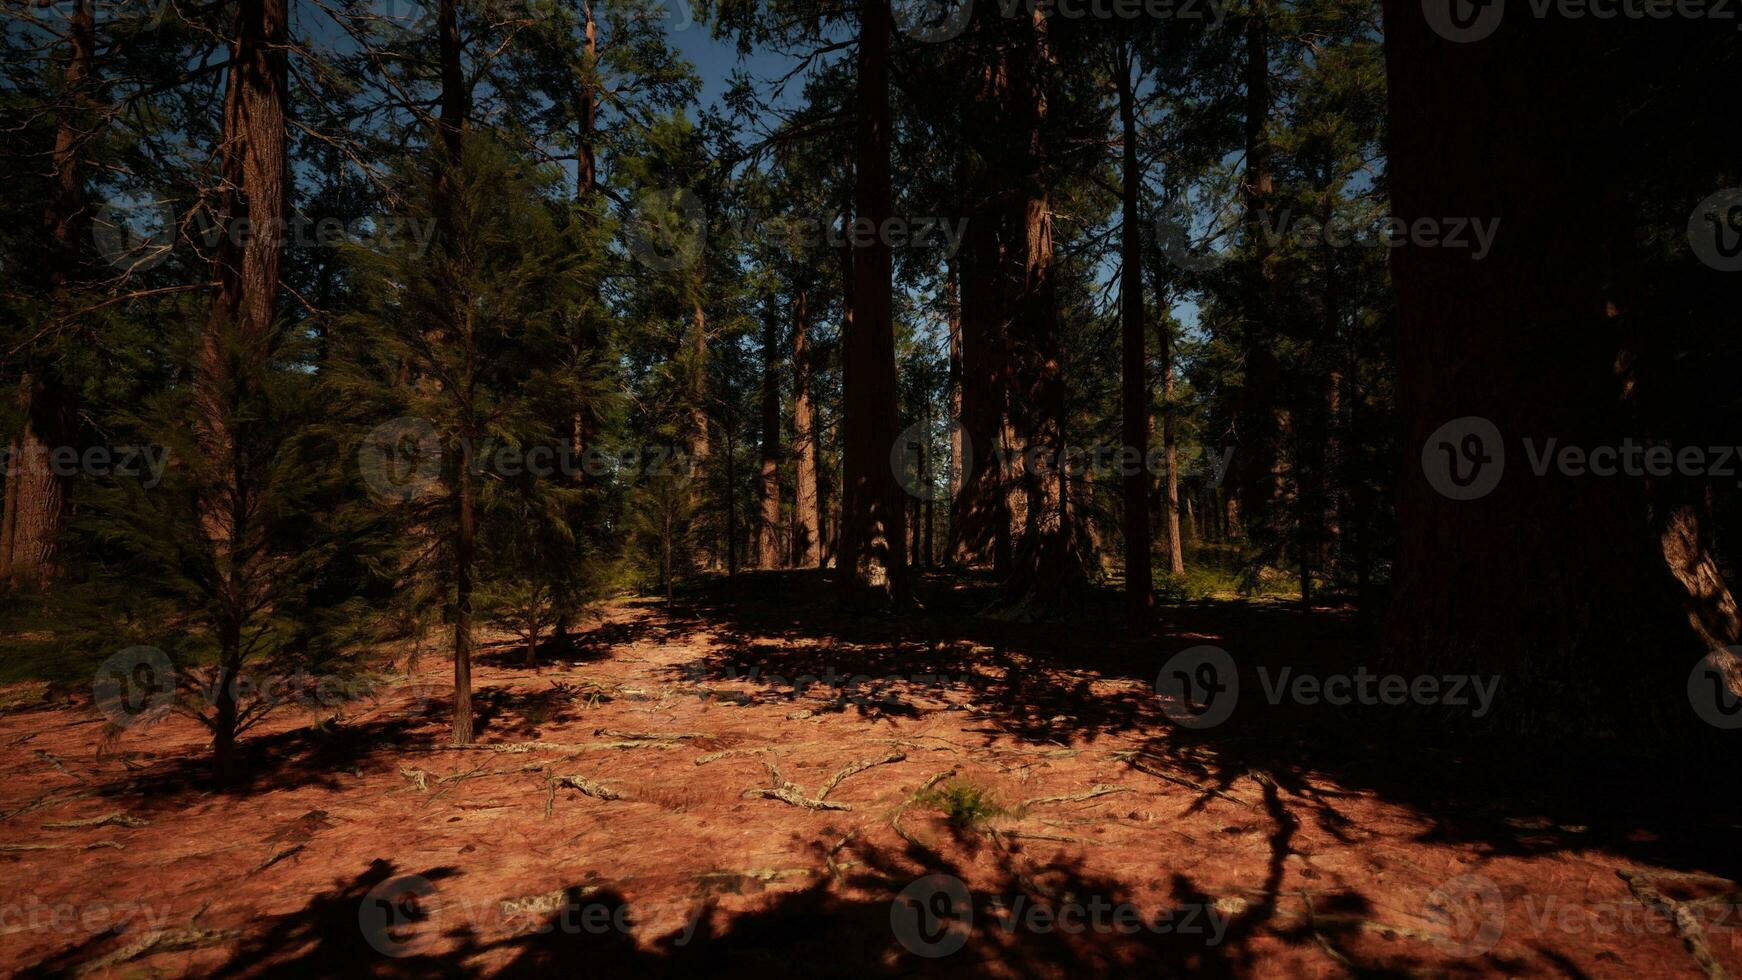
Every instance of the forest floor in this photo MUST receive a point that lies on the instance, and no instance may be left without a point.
(1004, 798)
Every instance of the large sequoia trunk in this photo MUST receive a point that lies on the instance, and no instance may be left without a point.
(237, 341)
(1134, 381)
(980, 515)
(1592, 598)
(873, 518)
(1048, 562)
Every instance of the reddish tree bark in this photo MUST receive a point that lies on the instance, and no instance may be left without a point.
(1048, 563)
(807, 512)
(236, 345)
(768, 523)
(1134, 380)
(873, 518)
(36, 495)
(1592, 598)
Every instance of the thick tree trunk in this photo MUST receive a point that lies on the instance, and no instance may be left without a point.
(980, 513)
(36, 496)
(1134, 380)
(768, 525)
(1047, 565)
(873, 517)
(807, 512)
(1593, 598)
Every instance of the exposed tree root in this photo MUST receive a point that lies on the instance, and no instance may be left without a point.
(649, 736)
(725, 754)
(588, 787)
(162, 941)
(1687, 925)
(788, 792)
(855, 768)
(895, 818)
(51, 798)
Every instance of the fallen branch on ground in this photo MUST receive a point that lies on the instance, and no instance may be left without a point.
(116, 817)
(1135, 761)
(1099, 789)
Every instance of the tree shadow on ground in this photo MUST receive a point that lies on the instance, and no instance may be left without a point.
(1086, 677)
(885, 916)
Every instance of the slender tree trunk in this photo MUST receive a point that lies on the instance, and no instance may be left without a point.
(453, 122)
(873, 520)
(465, 550)
(807, 514)
(697, 355)
(1134, 386)
(1258, 423)
(768, 526)
(236, 345)
(731, 502)
(586, 109)
(958, 446)
(455, 97)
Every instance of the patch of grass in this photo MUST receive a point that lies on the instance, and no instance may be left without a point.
(963, 802)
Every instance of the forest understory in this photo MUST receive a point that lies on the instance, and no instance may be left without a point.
(667, 795)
